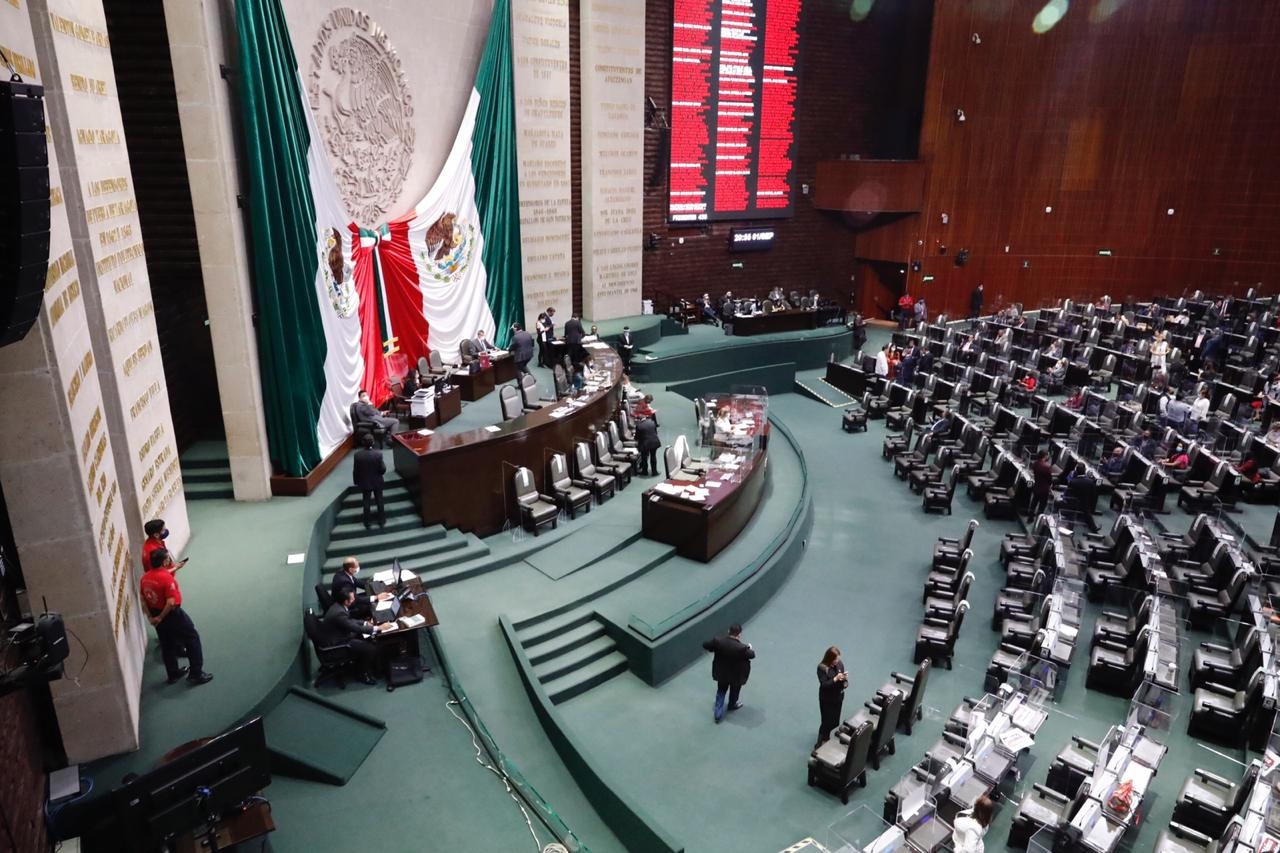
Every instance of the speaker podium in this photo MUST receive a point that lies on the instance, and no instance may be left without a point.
(24, 207)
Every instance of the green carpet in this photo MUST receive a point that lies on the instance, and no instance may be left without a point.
(316, 738)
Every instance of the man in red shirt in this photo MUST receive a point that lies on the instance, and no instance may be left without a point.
(163, 600)
(156, 534)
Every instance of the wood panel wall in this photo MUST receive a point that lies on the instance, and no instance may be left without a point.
(851, 80)
(1122, 112)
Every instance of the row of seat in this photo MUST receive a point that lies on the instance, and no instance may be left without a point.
(944, 598)
(841, 763)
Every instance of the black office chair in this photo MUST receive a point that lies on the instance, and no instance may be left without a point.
(841, 762)
(529, 393)
(323, 598)
(913, 705)
(1207, 802)
(509, 400)
(334, 660)
(947, 550)
(361, 428)
(599, 484)
(936, 639)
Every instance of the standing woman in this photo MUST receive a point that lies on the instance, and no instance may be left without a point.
(1159, 352)
(832, 681)
(971, 825)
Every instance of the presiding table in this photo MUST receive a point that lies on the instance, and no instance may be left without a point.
(502, 368)
(790, 320)
(701, 515)
(463, 479)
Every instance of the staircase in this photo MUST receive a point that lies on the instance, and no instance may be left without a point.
(206, 479)
(571, 653)
(436, 554)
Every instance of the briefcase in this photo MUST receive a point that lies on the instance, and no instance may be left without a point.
(404, 670)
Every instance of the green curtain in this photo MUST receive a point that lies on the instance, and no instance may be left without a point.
(493, 160)
(291, 342)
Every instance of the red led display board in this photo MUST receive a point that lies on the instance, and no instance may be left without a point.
(733, 98)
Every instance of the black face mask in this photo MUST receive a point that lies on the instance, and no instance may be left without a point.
(164, 534)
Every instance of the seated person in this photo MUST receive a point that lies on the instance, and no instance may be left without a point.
(1177, 460)
(594, 336)
(411, 383)
(339, 628)
(579, 378)
(1058, 372)
(1250, 476)
(1082, 494)
(942, 425)
(1146, 444)
(1114, 465)
(346, 580)
(1273, 435)
(363, 412)
(722, 420)
(1029, 383)
(482, 343)
(1075, 400)
(1055, 350)
(644, 408)
(707, 309)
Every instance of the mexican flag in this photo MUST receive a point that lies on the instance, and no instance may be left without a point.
(345, 306)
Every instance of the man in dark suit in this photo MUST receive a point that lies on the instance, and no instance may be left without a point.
(975, 302)
(730, 667)
(364, 413)
(366, 475)
(546, 334)
(648, 443)
(338, 628)
(1082, 495)
(521, 348)
(573, 335)
(346, 580)
(626, 348)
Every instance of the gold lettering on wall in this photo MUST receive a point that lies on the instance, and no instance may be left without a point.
(136, 358)
(86, 34)
(88, 85)
(137, 315)
(55, 196)
(82, 370)
(115, 259)
(63, 301)
(23, 64)
(57, 267)
(106, 186)
(97, 136)
(140, 405)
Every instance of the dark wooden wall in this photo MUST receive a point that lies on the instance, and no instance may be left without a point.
(149, 108)
(1111, 121)
(856, 81)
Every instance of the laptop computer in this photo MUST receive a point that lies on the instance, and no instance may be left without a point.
(386, 611)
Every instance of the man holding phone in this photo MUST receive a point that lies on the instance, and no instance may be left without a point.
(156, 534)
(174, 628)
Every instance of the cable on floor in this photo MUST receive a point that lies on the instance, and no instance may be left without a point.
(475, 741)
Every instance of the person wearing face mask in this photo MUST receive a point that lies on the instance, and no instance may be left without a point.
(156, 534)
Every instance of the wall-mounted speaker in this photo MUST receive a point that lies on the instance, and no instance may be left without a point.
(24, 207)
(962, 257)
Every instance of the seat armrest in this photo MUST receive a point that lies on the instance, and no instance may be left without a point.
(1085, 744)
(1046, 793)
(949, 540)
(937, 623)
(1220, 689)
(548, 498)
(901, 679)
(581, 484)
(1204, 589)
(339, 647)
(1107, 643)
(1213, 778)
(1215, 647)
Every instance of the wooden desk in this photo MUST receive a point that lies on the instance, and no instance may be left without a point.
(700, 530)
(504, 369)
(463, 479)
(448, 406)
(254, 822)
(792, 320)
(476, 385)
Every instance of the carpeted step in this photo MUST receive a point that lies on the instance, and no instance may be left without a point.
(825, 393)
(377, 543)
(392, 508)
(355, 498)
(354, 529)
(428, 558)
(575, 658)
(208, 491)
(555, 646)
(419, 553)
(219, 476)
(621, 568)
(551, 628)
(189, 464)
(474, 561)
(586, 677)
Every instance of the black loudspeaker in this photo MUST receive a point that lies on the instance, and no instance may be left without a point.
(962, 257)
(24, 207)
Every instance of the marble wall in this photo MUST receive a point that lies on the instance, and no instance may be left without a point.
(612, 111)
(69, 496)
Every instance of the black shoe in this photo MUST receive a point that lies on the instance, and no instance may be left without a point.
(368, 525)
(202, 678)
(735, 706)
(382, 523)
(368, 679)
(174, 679)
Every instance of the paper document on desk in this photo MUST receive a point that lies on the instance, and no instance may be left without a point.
(492, 428)
(412, 621)
(386, 604)
(1016, 740)
(387, 576)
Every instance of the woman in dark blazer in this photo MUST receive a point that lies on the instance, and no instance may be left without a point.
(832, 681)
